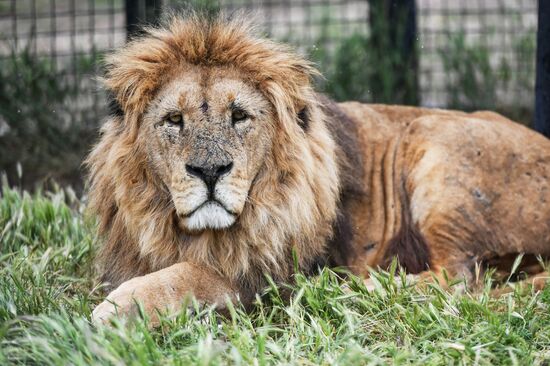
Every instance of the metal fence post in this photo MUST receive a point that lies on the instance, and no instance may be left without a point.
(405, 11)
(140, 12)
(396, 34)
(542, 88)
(132, 16)
(152, 11)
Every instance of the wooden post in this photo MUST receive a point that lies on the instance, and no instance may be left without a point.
(542, 88)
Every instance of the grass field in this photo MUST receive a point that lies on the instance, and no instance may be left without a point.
(47, 293)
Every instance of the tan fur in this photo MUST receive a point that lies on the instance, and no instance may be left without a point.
(347, 184)
(474, 185)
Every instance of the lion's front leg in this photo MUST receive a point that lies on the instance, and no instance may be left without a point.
(164, 290)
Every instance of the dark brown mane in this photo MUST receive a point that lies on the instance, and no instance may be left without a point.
(351, 167)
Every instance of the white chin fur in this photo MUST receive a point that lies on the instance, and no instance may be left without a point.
(210, 216)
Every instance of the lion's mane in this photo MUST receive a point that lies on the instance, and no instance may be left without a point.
(293, 201)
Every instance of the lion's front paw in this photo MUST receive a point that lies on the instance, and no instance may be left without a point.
(123, 302)
(164, 291)
(104, 312)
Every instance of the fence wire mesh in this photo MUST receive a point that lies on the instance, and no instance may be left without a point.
(495, 36)
(472, 54)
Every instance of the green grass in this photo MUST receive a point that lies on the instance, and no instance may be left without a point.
(48, 288)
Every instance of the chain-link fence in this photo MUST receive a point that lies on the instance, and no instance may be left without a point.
(50, 105)
(479, 54)
(68, 35)
(472, 53)
(469, 54)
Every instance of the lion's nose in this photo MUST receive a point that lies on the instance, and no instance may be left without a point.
(209, 174)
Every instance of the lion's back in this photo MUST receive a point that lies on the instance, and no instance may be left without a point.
(475, 182)
(482, 180)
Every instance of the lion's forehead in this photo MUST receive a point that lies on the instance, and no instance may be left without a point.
(200, 90)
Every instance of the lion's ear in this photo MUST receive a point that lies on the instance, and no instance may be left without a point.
(290, 92)
(303, 118)
(134, 73)
(114, 107)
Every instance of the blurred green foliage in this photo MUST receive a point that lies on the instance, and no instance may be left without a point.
(471, 81)
(47, 121)
(370, 68)
(475, 80)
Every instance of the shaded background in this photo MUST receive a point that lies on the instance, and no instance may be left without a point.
(469, 55)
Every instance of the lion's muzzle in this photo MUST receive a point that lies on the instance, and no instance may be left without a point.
(209, 215)
(210, 206)
(209, 174)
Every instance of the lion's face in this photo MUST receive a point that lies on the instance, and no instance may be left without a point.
(206, 134)
(221, 130)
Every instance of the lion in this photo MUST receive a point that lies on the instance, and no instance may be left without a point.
(220, 165)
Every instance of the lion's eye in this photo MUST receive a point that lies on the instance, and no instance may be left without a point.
(238, 115)
(174, 118)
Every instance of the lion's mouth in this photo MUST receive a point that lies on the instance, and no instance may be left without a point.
(211, 214)
(205, 203)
